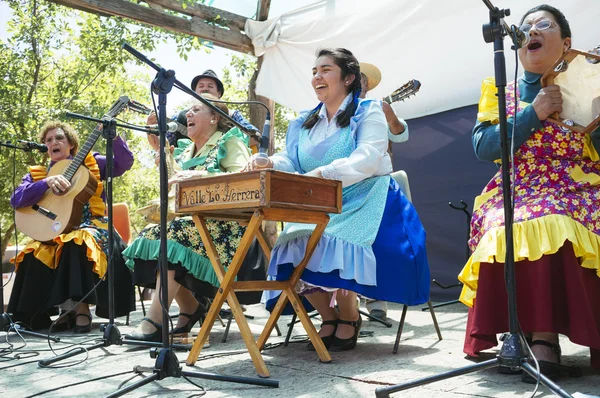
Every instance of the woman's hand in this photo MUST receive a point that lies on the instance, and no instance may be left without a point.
(152, 139)
(259, 161)
(58, 184)
(186, 175)
(157, 155)
(548, 101)
(315, 173)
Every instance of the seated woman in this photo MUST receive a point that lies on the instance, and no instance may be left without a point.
(376, 246)
(49, 274)
(213, 148)
(556, 228)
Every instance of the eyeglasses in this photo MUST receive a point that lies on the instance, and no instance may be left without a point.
(541, 25)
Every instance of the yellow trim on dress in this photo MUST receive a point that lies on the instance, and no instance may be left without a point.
(532, 240)
(578, 175)
(49, 254)
(481, 199)
(589, 150)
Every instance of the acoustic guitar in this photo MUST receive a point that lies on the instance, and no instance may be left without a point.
(53, 215)
(405, 91)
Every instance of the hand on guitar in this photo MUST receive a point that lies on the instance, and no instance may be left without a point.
(548, 101)
(58, 184)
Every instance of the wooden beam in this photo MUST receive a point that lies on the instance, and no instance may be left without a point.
(263, 10)
(230, 39)
(222, 17)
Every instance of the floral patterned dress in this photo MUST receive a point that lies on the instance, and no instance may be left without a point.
(556, 242)
(556, 189)
(185, 247)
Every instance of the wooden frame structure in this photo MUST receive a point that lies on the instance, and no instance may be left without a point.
(224, 28)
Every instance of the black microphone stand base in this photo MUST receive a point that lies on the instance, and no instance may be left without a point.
(167, 365)
(511, 357)
(6, 325)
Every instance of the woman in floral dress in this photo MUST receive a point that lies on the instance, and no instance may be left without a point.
(214, 148)
(556, 217)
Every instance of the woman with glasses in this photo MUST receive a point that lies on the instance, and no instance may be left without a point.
(556, 218)
(63, 271)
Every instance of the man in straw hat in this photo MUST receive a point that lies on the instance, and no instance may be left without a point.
(371, 76)
(398, 132)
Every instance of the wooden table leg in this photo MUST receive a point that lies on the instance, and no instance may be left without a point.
(290, 294)
(225, 291)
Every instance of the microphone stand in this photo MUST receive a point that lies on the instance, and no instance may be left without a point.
(167, 363)
(514, 353)
(111, 334)
(6, 323)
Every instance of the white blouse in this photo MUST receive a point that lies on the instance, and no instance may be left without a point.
(370, 158)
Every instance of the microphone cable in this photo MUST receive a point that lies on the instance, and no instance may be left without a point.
(514, 38)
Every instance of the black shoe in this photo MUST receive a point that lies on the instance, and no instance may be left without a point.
(347, 344)
(327, 340)
(549, 369)
(83, 328)
(66, 322)
(155, 336)
(198, 315)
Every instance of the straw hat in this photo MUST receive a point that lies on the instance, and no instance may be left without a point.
(372, 73)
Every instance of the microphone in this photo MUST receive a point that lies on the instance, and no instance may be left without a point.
(172, 127)
(264, 139)
(522, 38)
(29, 145)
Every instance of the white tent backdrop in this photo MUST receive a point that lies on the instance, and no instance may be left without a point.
(438, 42)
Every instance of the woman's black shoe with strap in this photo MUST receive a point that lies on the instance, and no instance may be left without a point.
(347, 344)
(198, 315)
(155, 336)
(549, 369)
(83, 328)
(327, 340)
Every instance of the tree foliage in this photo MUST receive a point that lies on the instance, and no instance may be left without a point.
(236, 79)
(59, 60)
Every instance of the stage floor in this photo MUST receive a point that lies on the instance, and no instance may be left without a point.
(354, 373)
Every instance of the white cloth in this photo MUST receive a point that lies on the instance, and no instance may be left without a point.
(402, 137)
(370, 158)
(436, 42)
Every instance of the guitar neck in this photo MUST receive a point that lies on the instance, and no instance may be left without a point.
(82, 154)
(78, 160)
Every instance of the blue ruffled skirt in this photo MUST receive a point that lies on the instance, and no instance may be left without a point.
(401, 267)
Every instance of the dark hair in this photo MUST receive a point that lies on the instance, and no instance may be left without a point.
(561, 20)
(349, 66)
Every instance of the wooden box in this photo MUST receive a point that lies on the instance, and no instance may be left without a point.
(240, 194)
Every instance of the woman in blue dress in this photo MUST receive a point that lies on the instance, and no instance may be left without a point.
(376, 246)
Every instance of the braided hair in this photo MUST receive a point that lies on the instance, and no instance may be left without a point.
(349, 66)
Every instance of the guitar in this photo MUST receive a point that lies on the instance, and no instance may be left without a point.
(53, 215)
(404, 92)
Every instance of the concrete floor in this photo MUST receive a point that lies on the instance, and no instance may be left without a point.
(355, 373)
